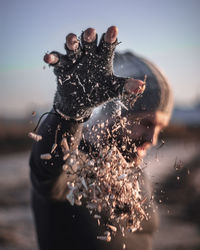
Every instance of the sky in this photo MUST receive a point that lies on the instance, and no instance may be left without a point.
(165, 32)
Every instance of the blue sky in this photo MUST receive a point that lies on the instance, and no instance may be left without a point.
(166, 32)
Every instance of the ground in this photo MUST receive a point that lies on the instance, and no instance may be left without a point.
(16, 221)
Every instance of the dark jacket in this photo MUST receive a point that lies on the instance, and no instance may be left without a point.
(59, 225)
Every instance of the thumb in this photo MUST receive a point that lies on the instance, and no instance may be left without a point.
(134, 86)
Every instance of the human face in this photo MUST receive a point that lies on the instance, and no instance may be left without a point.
(140, 133)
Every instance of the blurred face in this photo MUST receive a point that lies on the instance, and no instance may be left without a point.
(140, 133)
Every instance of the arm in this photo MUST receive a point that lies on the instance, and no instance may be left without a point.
(45, 172)
(84, 81)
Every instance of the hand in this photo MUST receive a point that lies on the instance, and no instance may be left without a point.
(84, 75)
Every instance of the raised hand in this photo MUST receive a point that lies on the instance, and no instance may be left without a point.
(85, 76)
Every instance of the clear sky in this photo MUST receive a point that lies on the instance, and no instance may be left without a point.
(166, 32)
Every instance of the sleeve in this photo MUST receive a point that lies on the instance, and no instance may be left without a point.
(44, 173)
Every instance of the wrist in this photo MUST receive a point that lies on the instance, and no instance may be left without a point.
(69, 112)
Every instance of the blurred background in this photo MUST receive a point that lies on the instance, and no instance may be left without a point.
(165, 32)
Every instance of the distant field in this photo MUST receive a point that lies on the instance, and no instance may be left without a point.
(13, 134)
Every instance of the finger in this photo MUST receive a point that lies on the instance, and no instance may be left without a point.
(72, 47)
(89, 35)
(51, 58)
(114, 87)
(134, 86)
(89, 40)
(108, 43)
(111, 34)
(72, 42)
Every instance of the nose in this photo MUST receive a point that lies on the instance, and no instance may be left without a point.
(152, 135)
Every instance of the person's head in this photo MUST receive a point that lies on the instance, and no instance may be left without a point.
(135, 129)
(151, 112)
